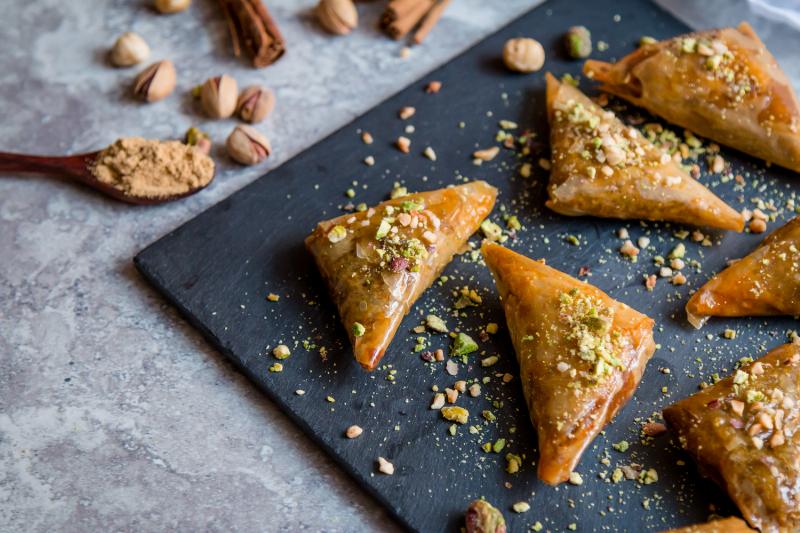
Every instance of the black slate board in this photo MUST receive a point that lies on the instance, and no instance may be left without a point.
(218, 268)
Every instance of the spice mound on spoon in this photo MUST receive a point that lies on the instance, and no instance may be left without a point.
(134, 170)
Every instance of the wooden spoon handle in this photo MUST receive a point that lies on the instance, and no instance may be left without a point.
(75, 165)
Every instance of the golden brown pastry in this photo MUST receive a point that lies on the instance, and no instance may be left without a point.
(379, 261)
(581, 354)
(743, 433)
(722, 84)
(723, 525)
(766, 282)
(601, 167)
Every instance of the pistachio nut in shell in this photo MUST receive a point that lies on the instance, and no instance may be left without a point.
(156, 81)
(218, 96)
(247, 145)
(523, 54)
(129, 49)
(255, 103)
(483, 517)
(171, 6)
(339, 17)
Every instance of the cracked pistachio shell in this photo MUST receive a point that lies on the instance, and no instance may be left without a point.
(171, 6)
(129, 49)
(218, 96)
(247, 145)
(255, 103)
(339, 17)
(523, 54)
(155, 82)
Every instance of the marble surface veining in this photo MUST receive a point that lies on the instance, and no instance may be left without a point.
(115, 415)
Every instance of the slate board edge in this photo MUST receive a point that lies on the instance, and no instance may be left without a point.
(140, 262)
(155, 280)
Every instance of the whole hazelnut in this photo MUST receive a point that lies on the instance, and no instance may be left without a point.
(129, 49)
(578, 41)
(171, 6)
(247, 146)
(218, 96)
(523, 54)
(255, 103)
(337, 16)
(156, 81)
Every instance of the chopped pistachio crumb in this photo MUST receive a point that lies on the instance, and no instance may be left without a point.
(281, 351)
(272, 297)
(491, 231)
(463, 345)
(489, 361)
(337, 233)
(436, 324)
(621, 446)
(521, 507)
(350, 193)
(358, 329)
(513, 463)
(537, 526)
(648, 477)
(730, 334)
(498, 445)
(277, 367)
(455, 414)
(330, 399)
(491, 328)
(383, 229)
(575, 478)
(488, 415)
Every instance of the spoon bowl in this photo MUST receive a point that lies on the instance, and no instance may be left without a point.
(77, 168)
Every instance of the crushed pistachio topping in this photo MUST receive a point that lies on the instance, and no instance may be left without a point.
(436, 324)
(337, 233)
(521, 507)
(589, 325)
(358, 329)
(463, 345)
(281, 351)
(720, 63)
(606, 146)
(455, 413)
(513, 463)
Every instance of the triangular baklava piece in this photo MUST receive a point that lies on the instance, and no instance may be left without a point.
(744, 433)
(601, 167)
(722, 84)
(722, 525)
(764, 283)
(377, 262)
(581, 354)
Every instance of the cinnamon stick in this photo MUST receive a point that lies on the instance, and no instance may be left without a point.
(397, 9)
(252, 28)
(403, 24)
(430, 21)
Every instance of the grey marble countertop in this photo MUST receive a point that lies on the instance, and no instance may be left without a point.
(115, 415)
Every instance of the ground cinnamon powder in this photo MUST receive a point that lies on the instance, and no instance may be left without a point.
(153, 169)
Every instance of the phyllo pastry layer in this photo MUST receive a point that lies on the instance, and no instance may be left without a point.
(581, 354)
(743, 433)
(377, 262)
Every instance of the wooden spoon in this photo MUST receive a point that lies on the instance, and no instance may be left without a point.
(78, 168)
